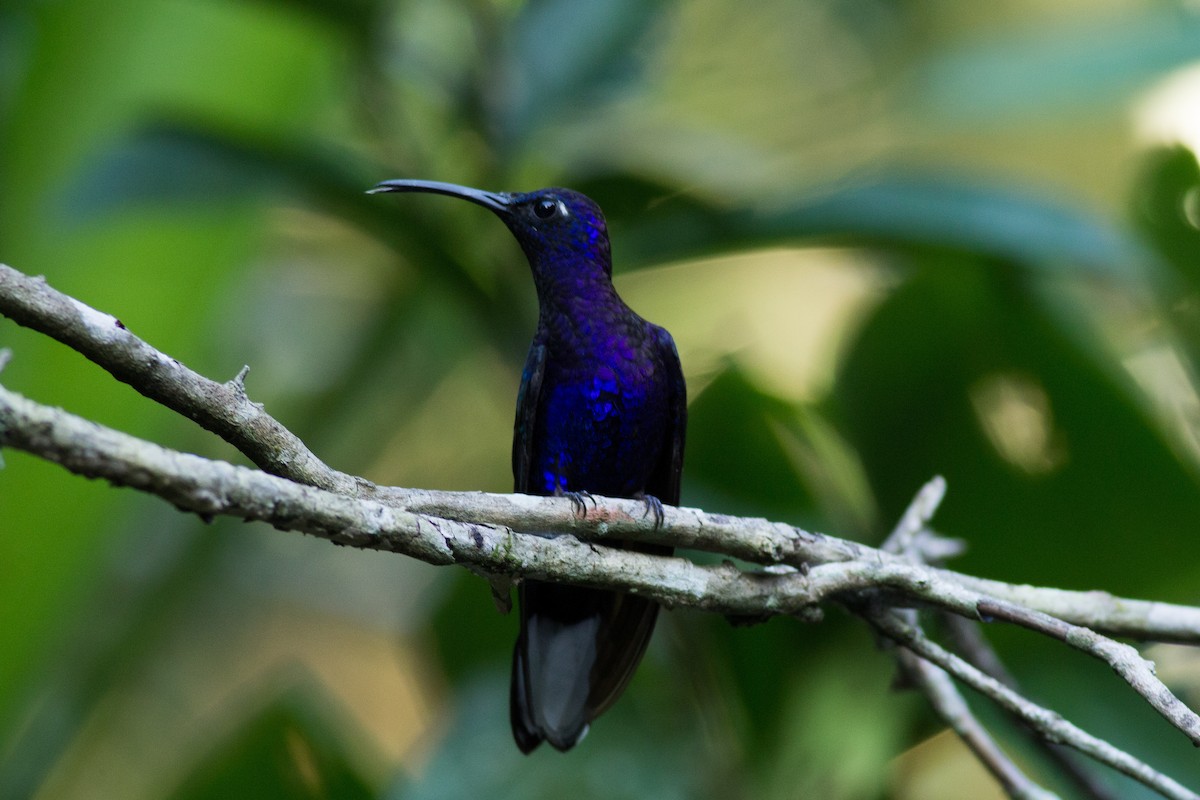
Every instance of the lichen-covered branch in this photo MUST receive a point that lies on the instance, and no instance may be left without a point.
(949, 704)
(1124, 660)
(967, 640)
(222, 408)
(211, 488)
(520, 536)
(491, 535)
(1049, 724)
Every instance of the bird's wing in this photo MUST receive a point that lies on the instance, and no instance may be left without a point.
(664, 481)
(626, 621)
(527, 403)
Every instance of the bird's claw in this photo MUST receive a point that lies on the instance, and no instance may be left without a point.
(579, 501)
(653, 506)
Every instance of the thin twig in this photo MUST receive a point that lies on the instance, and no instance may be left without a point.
(219, 407)
(1048, 723)
(915, 519)
(496, 534)
(932, 681)
(1124, 659)
(968, 641)
(906, 540)
(212, 487)
(484, 534)
(949, 704)
(225, 409)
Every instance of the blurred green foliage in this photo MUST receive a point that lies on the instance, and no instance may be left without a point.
(1016, 273)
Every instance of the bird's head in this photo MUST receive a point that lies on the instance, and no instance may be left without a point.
(562, 232)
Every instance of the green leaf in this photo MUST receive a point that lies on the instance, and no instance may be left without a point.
(166, 166)
(754, 454)
(1166, 208)
(735, 459)
(360, 18)
(1056, 69)
(812, 705)
(1048, 452)
(651, 224)
(16, 47)
(565, 56)
(468, 631)
(1057, 476)
(195, 161)
(640, 748)
(289, 750)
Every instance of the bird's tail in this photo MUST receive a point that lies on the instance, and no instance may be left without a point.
(577, 650)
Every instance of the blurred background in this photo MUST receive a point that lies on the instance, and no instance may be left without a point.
(892, 238)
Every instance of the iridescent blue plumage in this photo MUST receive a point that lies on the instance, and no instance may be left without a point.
(602, 409)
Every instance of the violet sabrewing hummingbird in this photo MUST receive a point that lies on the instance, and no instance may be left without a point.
(602, 409)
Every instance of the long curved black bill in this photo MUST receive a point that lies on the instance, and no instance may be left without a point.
(495, 201)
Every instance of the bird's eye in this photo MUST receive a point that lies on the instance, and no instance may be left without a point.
(546, 208)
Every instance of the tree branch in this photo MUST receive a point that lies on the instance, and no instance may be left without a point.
(225, 410)
(222, 408)
(1049, 725)
(531, 537)
(1124, 660)
(949, 704)
(209, 487)
(968, 641)
(912, 539)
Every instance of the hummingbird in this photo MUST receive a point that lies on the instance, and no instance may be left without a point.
(602, 409)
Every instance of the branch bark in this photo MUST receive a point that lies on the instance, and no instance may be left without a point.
(944, 697)
(967, 640)
(531, 537)
(222, 408)
(209, 488)
(1050, 725)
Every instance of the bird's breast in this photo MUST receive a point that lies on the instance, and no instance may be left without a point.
(599, 426)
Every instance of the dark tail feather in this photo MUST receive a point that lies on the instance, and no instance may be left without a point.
(518, 704)
(577, 650)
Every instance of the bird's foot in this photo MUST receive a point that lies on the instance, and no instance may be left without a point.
(578, 501)
(653, 506)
